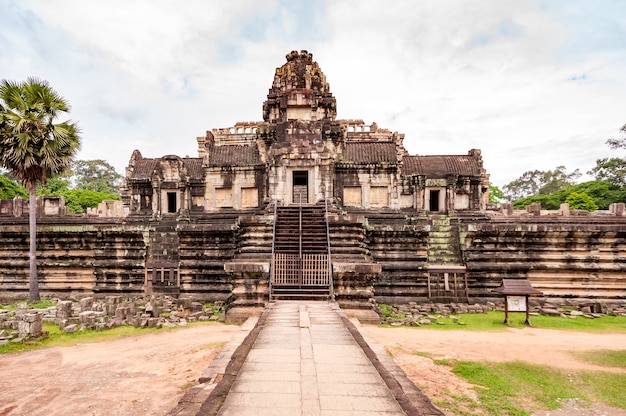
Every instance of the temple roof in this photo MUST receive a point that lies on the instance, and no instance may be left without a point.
(375, 152)
(233, 155)
(194, 167)
(442, 166)
(144, 168)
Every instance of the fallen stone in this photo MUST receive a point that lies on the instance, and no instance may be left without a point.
(71, 328)
(549, 312)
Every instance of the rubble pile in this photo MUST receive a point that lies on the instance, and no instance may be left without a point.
(98, 314)
(415, 314)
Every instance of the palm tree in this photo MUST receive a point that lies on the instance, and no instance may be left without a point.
(33, 147)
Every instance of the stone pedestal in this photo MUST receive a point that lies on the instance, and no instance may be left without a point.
(250, 291)
(354, 289)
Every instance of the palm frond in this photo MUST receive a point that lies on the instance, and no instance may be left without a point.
(33, 145)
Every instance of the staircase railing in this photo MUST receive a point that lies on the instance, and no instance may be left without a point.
(272, 265)
(300, 239)
(330, 264)
(297, 268)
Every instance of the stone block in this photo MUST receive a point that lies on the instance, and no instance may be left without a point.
(70, 328)
(122, 313)
(23, 328)
(549, 311)
(36, 328)
(86, 304)
(31, 317)
(617, 209)
(64, 309)
(534, 209)
(507, 209)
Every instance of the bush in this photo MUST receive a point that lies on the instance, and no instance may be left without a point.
(10, 189)
(580, 200)
(78, 200)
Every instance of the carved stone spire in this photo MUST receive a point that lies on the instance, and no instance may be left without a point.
(299, 92)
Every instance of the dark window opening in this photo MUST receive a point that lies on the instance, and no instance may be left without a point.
(171, 202)
(434, 201)
(300, 186)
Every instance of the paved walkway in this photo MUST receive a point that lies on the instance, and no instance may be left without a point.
(307, 358)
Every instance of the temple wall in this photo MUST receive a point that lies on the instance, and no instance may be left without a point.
(361, 188)
(583, 257)
(232, 188)
(402, 251)
(564, 257)
(73, 258)
(203, 250)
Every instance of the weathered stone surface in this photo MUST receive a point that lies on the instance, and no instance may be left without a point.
(201, 228)
(71, 328)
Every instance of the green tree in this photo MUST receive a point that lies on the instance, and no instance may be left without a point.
(78, 200)
(551, 201)
(612, 169)
(495, 194)
(10, 189)
(54, 186)
(603, 194)
(537, 182)
(580, 200)
(96, 175)
(33, 146)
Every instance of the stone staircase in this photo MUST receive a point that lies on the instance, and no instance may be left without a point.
(443, 242)
(447, 277)
(301, 268)
(162, 261)
(300, 233)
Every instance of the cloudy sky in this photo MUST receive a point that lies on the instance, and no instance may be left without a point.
(533, 84)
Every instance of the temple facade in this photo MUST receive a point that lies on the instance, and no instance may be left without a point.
(302, 204)
(300, 153)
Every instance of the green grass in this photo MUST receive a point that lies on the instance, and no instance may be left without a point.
(387, 311)
(605, 358)
(517, 388)
(494, 321)
(58, 338)
(41, 304)
(605, 387)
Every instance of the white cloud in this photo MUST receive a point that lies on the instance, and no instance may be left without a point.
(523, 81)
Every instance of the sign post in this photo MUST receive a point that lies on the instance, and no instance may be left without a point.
(516, 293)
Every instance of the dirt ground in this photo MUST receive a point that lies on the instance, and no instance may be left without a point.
(140, 375)
(148, 374)
(532, 345)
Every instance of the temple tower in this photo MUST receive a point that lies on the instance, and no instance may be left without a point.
(300, 132)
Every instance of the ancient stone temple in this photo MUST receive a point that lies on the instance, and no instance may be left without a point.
(301, 156)
(300, 153)
(302, 204)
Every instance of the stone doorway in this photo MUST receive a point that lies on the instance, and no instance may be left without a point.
(434, 200)
(171, 202)
(300, 187)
